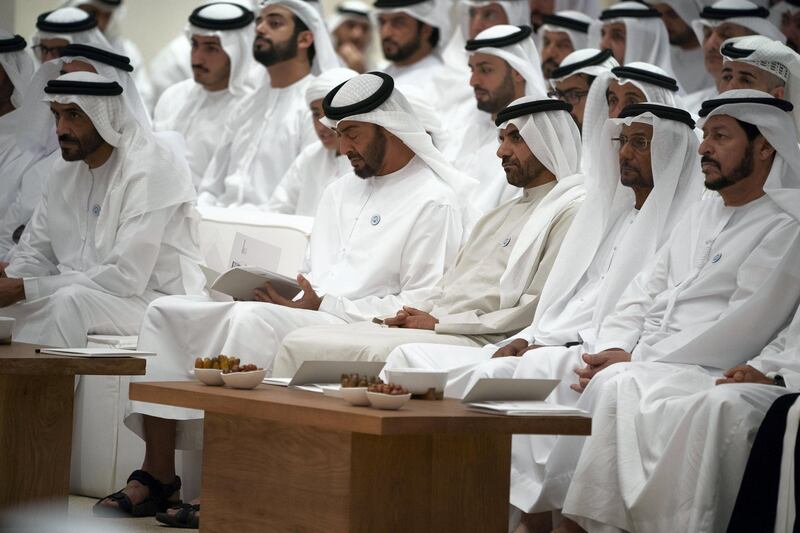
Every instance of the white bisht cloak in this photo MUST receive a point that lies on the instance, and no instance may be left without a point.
(676, 445)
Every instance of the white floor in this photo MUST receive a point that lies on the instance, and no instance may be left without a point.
(79, 520)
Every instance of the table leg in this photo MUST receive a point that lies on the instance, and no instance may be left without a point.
(265, 476)
(35, 438)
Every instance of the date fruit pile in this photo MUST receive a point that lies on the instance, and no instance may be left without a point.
(221, 362)
(388, 388)
(358, 380)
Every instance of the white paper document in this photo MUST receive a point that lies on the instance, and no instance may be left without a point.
(526, 408)
(240, 282)
(249, 251)
(95, 352)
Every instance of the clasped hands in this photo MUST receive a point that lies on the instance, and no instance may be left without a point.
(411, 318)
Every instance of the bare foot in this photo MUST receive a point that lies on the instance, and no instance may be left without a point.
(174, 510)
(535, 523)
(568, 526)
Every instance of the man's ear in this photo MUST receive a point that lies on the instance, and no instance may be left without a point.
(778, 92)
(764, 149)
(305, 39)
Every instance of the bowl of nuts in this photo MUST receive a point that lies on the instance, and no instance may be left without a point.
(244, 377)
(387, 396)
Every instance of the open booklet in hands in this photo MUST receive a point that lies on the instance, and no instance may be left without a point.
(253, 263)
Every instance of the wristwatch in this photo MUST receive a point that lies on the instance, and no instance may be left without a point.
(778, 380)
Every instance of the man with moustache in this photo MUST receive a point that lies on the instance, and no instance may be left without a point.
(221, 36)
(351, 29)
(563, 33)
(384, 233)
(114, 229)
(411, 34)
(269, 129)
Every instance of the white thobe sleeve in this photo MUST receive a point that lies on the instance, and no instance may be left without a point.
(124, 272)
(623, 327)
(781, 356)
(513, 319)
(428, 252)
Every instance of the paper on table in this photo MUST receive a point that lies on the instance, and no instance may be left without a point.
(95, 352)
(526, 408)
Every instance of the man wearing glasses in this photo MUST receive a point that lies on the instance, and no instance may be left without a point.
(571, 81)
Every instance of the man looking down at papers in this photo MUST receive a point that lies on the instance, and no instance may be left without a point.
(114, 230)
(494, 287)
(383, 235)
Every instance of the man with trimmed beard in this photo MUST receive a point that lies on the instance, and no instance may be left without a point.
(371, 249)
(264, 135)
(221, 56)
(411, 34)
(499, 58)
(114, 229)
(634, 32)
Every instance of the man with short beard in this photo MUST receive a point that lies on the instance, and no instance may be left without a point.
(687, 54)
(719, 22)
(115, 227)
(221, 37)
(499, 58)
(675, 383)
(562, 33)
(351, 29)
(383, 234)
(494, 287)
(269, 129)
(634, 32)
(411, 33)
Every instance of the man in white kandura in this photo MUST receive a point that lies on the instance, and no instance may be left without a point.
(653, 464)
(412, 34)
(383, 234)
(632, 204)
(264, 135)
(451, 83)
(562, 33)
(634, 31)
(320, 163)
(221, 36)
(114, 230)
(502, 71)
(38, 138)
(494, 288)
(718, 22)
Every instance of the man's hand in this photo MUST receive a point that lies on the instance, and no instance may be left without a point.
(744, 374)
(352, 57)
(597, 362)
(12, 290)
(3, 266)
(310, 299)
(411, 318)
(514, 348)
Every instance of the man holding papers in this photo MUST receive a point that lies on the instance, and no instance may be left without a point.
(383, 235)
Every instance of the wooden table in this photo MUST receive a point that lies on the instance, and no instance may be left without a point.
(36, 397)
(277, 459)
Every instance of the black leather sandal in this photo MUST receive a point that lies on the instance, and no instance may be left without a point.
(158, 500)
(185, 518)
